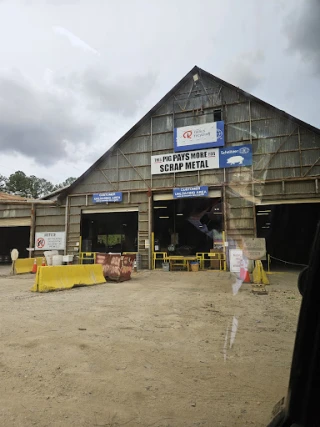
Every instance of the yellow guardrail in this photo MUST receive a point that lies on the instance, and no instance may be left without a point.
(24, 265)
(67, 276)
(87, 256)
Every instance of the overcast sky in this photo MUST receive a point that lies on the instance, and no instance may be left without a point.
(75, 75)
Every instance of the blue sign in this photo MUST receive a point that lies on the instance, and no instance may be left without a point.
(180, 193)
(196, 137)
(232, 157)
(107, 197)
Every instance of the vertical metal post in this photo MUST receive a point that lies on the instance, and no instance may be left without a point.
(118, 169)
(66, 225)
(300, 154)
(225, 204)
(254, 221)
(174, 175)
(32, 228)
(150, 229)
(151, 148)
(317, 186)
(152, 250)
(252, 178)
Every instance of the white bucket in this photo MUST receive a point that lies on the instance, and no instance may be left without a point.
(48, 255)
(67, 258)
(57, 259)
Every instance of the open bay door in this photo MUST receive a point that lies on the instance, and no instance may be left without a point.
(187, 225)
(288, 227)
(110, 229)
(15, 234)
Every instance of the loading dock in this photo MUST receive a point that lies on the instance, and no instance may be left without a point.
(109, 230)
(14, 237)
(288, 229)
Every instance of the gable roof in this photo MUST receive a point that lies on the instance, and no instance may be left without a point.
(54, 194)
(183, 81)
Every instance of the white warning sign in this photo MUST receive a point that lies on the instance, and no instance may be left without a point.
(48, 241)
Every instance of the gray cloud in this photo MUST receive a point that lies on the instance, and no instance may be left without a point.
(38, 124)
(117, 94)
(303, 31)
(243, 70)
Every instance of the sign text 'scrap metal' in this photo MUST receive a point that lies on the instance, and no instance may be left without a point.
(214, 158)
(184, 162)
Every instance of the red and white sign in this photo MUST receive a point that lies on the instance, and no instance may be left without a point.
(47, 241)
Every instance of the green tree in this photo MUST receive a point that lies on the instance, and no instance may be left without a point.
(3, 182)
(65, 183)
(28, 186)
(39, 187)
(18, 183)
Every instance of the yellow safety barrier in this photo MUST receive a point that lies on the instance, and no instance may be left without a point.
(87, 257)
(259, 275)
(67, 276)
(24, 265)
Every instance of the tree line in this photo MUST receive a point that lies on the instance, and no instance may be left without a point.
(30, 186)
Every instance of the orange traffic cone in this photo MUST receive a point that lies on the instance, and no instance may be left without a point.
(244, 273)
(246, 277)
(34, 267)
(43, 262)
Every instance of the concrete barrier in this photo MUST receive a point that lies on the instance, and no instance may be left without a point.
(67, 276)
(24, 265)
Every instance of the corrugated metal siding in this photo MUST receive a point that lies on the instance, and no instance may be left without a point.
(281, 151)
(15, 222)
(14, 211)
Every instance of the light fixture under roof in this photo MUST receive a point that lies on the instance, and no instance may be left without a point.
(163, 217)
(160, 207)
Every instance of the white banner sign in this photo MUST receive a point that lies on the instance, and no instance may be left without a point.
(195, 137)
(184, 162)
(235, 257)
(50, 240)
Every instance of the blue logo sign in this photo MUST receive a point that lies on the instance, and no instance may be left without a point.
(232, 157)
(196, 137)
(107, 197)
(180, 193)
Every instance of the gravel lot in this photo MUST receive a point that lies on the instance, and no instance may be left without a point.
(162, 350)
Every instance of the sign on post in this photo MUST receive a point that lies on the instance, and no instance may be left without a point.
(181, 193)
(184, 162)
(214, 158)
(235, 259)
(107, 197)
(235, 156)
(254, 248)
(48, 241)
(195, 137)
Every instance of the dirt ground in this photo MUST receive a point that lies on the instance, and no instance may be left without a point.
(158, 351)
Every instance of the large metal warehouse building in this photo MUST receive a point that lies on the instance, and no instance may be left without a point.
(208, 160)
